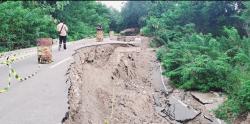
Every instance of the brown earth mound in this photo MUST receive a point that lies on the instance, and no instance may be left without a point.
(112, 84)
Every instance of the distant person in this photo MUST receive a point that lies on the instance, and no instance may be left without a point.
(62, 32)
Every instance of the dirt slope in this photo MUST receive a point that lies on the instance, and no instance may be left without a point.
(112, 84)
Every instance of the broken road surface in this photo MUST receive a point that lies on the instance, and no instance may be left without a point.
(41, 99)
(107, 82)
(119, 84)
(112, 83)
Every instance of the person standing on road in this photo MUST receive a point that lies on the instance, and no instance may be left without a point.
(62, 32)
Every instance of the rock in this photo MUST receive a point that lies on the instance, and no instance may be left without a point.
(215, 105)
(218, 121)
(130, 31)
(159, 111)
(151, 49)
(156, 100)
(137, 39)
(208, 117)
(213, 120)
(210, 100)
(179, 111)
(204, 98)
(247, 121)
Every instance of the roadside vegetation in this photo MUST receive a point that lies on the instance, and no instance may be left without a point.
(203, 46)
(22, 22)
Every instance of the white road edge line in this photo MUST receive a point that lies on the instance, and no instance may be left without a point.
(180, 101)
(219, 121)
(162, 81)
(53, 66)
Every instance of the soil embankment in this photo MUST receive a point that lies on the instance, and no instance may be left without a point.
(112, 84)
(122, 84)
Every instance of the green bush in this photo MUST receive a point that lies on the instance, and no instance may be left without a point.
(20, 26)
(202, 62)
(194, 63)
(160, 53)
(243, 96)
(237, 103)
(83, 19)
(228, 111)
(22, 22)
(145, 31)
(217, 59)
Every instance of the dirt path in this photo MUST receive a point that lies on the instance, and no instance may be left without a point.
(112, 84)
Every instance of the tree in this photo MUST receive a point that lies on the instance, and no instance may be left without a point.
(115, 20)
(22, 22)
(245, 17)
(83, 19)
(206, 48)
(21, 26)
(134, 12)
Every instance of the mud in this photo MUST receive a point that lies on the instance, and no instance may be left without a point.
(122, 84)
(111, 84)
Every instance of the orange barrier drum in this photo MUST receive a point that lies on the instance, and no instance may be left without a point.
(44, 50)
(99, 35)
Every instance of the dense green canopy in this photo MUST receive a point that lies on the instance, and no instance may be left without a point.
(22, 22)
(205, 45)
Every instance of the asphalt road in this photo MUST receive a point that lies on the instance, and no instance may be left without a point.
(41, 99)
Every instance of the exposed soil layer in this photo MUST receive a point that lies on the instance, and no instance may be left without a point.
(122, 84)
(112, 84)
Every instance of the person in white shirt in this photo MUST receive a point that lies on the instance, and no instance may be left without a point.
(62, 31)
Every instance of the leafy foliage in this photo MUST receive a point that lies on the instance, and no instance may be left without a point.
(195, 63)
(208, 17)
(21, 26)
(237, 103)
(205, 46)
(134, 13)
(83, 19)
(115, 20)
(22, 22)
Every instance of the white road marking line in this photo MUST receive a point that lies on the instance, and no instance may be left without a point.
(179, 101)
(162, 81)
(219, 121)
(53, 66)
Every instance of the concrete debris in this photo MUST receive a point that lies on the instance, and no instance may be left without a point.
(204, 98)
(179, 111)
(160, 111)
(156, 100)
(210, 100)
(208, 117)
(213, 120)
(215, 105)
(218, 121)
(247, 121)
